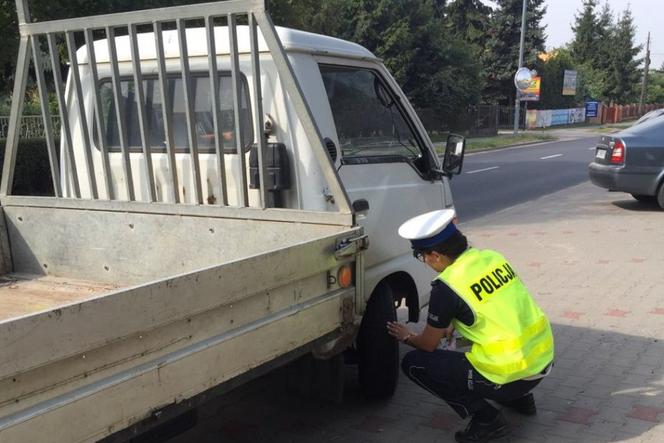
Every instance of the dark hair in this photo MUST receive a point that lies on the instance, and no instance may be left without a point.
(453, 247)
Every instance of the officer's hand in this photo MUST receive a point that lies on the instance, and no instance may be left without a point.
(398, 331)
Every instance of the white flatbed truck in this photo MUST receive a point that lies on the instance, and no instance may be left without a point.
(165, 264)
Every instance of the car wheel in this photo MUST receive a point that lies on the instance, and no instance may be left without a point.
(644, 198)
(660, 195)
(378, 351)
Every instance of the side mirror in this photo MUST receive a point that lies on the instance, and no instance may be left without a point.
(454, 151)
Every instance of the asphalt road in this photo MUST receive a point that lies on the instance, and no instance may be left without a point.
(495, 180)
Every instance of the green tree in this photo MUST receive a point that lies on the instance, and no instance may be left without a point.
(9, 47)
(552, 72)
(655, 93)
(586, 36)
(502, 54)
(591, 82)
(469, 20)
(309, 15)
(605, 32)
(594, 65)
(623, 69)
(435, 69)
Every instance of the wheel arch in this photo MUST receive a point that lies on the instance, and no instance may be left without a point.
(405, 290)
(659, 181)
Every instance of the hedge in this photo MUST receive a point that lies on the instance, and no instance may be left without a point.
(32, 175)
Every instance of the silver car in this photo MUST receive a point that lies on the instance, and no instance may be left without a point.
(632, 161)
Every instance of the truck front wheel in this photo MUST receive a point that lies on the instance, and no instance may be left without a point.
(378, 352)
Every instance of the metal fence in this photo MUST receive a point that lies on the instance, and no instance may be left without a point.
(32, 126)
(475, 120)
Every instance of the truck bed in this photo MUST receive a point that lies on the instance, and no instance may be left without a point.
(127, 311)
(25, 294)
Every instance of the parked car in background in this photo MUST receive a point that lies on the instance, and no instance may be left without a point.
(632, 161)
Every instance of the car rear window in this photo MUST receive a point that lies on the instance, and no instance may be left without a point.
(652, 128)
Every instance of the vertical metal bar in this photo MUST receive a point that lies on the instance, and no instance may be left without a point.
(119, 112)
(46, 115)
(214, 86)
(302, 109)
(236, 79)
(189, 111)
(64, 113)
(166, 109)
(258, 109)
(142, 118)
(99, 115)
(22, 11)
(517, 99)
(78, 91)
(13, 131)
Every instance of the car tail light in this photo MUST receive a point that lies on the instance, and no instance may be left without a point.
(618, 153)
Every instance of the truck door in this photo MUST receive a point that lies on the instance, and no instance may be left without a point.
(383, 158)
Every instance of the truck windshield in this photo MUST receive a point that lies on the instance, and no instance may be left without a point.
(202, 104)
(367, 118)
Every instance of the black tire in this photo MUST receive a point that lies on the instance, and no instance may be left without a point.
(645, 198)
(660, 195)
(378, 351)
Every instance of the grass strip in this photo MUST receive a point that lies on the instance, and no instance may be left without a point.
(498, 141)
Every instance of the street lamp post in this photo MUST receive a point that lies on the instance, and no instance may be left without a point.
(517, 101)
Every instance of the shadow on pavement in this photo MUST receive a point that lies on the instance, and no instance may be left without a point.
(637, 206)
(605, 387)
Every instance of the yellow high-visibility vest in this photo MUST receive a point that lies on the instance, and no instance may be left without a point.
(511, 336)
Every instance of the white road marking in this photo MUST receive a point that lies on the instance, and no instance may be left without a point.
(482, 170)
(592, 148)
(551, 156)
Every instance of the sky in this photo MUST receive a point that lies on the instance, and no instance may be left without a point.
(647, 16)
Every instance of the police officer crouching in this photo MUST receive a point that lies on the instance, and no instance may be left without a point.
(478, 293)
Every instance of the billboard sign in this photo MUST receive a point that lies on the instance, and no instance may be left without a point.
(569, 82)
(532, 92)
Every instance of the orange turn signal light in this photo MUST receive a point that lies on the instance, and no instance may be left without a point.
(345, 276)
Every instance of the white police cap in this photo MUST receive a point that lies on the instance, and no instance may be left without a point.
(427, 230)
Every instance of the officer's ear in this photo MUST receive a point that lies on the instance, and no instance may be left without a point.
(438, 256)
(442, 258)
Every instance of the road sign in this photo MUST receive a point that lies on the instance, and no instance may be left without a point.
(591, 109)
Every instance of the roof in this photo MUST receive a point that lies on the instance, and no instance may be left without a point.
(292, 40)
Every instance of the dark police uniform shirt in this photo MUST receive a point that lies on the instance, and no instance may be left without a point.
(445, 304)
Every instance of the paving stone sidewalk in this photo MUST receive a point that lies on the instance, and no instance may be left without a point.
(595, 263)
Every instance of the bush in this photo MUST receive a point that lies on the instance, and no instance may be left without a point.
(32, 174)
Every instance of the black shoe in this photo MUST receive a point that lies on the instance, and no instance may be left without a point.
(524, 405)
(478, 432)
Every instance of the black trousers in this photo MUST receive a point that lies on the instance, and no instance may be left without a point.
(450, 376)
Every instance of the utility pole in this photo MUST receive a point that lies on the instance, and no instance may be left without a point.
(644, 84)
(517, 101)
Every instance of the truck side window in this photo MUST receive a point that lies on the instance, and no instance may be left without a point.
(203, 119)
(368, 119)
